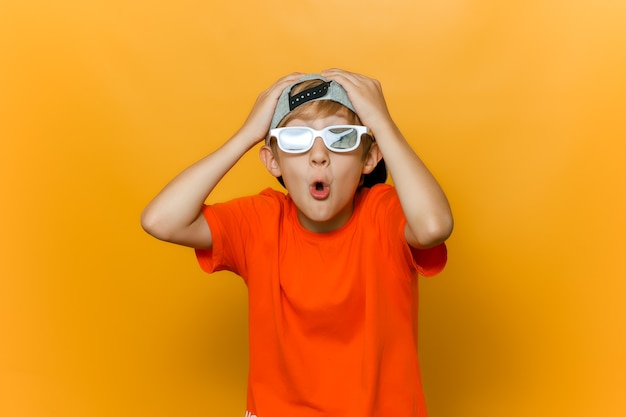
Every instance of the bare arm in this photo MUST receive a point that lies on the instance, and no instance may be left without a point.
(425, 206)
(175, 214)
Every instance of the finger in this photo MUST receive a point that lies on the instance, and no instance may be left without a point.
(345, 78)
(293, 76)
(337, 71)
(334, 73)
(279, 85)
(287, 79)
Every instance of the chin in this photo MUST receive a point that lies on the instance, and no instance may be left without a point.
(319, 217)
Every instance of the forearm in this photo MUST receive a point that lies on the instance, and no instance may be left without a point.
(428, 215)
(425, 206)
(175, 214)
(176, 209)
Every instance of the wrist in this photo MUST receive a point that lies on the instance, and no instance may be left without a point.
(246, 138)
(384, 129)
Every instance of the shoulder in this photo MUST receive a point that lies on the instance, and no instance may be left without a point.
(269, 200)
(273, 195)
(380, 208)
(252, 209)
(378, 191)
(377, 197)
(265, 199)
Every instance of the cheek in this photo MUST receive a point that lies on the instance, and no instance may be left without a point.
(292, 170)
(293, 167)
(351, 166)
(343, 166)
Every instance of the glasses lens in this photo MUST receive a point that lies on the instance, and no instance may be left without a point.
(343, 138)
(295, 139)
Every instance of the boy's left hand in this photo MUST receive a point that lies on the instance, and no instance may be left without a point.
(366, 95)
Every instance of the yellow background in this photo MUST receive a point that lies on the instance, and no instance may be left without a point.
(516, 106)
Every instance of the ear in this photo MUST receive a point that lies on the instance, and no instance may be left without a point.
(372, 158)
(270, 161)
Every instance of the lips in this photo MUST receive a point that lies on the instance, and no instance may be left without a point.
(319, 190)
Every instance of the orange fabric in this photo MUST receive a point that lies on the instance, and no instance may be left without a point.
(331, 316)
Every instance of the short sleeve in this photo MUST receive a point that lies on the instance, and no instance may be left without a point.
(429, 262)
(387, 212)
(224, 253)
(236, 227)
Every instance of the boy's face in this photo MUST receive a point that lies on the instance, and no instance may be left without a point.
(322, 183)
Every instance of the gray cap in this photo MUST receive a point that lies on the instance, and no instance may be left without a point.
(329, 90)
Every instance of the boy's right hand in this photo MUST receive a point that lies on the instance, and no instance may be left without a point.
(257, 123)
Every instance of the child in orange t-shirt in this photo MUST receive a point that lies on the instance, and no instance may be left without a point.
(331, 266)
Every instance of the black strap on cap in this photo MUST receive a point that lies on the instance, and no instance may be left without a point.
(308, 95)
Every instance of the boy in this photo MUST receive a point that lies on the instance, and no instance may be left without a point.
(331, 267)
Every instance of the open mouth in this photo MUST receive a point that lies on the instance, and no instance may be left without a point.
(319, 190)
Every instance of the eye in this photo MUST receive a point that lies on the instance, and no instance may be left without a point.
(295, 138)
(343, 137)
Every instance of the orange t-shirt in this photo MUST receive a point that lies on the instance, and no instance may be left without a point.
(332, 316)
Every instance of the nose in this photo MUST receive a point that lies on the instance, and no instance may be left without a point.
(318, 155)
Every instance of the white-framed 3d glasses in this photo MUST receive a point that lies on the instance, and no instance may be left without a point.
(299, 139)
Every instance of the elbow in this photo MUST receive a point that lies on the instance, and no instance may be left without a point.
(167, 226)
(435, 237)
(434, 233)
(154, 225)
